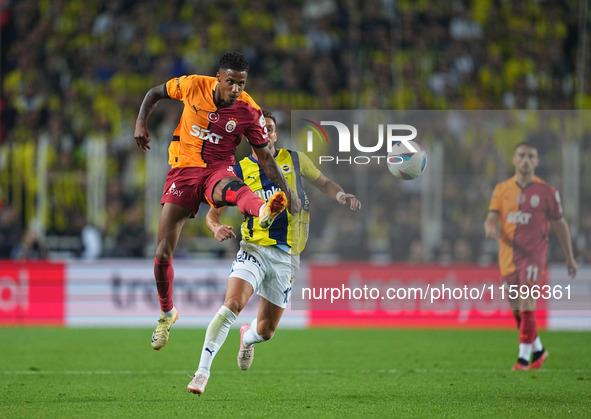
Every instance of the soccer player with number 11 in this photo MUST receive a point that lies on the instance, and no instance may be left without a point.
(526, 206)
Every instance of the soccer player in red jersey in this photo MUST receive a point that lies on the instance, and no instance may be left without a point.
(526, 206)
(217, 114)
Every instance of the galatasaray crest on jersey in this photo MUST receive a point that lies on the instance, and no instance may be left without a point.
(231, 125)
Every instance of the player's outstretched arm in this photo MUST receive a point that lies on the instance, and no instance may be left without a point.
(269, 166)
(560, 226)
(141, 134)
(333, 190)
(220, 231)
(490, 225)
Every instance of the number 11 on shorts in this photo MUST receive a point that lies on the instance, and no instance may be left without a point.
(532, 273)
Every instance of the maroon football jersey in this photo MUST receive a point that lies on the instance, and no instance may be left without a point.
(207, 135)
(525, 214)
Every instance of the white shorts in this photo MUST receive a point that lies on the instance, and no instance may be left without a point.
(268, 269)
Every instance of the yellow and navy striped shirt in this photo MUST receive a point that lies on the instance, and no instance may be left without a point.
(289, 231)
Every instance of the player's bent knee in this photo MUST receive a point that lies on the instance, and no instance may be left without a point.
(163, 253)
(230, 190)
(234, 305)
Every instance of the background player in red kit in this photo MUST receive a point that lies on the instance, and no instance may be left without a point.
(217, 114)
(526, 206)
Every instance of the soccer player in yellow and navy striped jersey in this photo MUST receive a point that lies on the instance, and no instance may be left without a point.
(289, 232)
(268, 260)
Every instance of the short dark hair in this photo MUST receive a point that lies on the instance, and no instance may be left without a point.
(269, 114)
(233, 61)
(527, 144)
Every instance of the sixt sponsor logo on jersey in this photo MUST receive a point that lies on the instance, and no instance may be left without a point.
(518, 217)
(265, 195)
(205, 134)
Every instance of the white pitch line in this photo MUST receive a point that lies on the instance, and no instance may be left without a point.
(310, 372)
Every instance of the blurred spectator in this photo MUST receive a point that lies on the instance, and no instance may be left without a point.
(10, 232)
(417, 252)
(131, 238)
(462, 251)
(32, 246)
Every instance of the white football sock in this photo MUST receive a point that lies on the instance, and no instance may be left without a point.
(168, 313)
(538, 345)
(251, 336)
(525, 351)
(216, 334)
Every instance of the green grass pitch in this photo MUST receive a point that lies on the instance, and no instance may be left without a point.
(300, 373)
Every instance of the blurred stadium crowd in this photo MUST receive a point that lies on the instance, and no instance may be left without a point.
(74, 74)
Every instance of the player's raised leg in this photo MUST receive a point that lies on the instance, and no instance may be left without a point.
(172, 219)
(232, 191)
(261, 329)
(237, 295)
